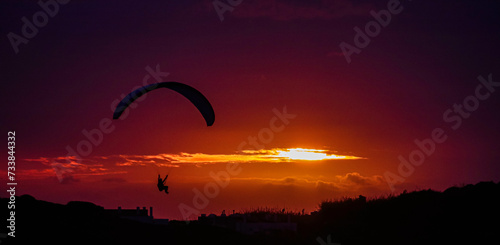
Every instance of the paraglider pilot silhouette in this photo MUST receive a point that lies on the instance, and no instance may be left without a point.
(161, 184)
(193, 95)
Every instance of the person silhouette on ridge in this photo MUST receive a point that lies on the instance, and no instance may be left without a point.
(161, 184)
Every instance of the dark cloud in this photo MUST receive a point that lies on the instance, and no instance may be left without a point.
(323, 187)
(352, 184)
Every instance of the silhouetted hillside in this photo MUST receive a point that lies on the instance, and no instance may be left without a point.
(459, 215)
(86, 223)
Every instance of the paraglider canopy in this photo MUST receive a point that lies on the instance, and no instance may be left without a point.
(193, 95)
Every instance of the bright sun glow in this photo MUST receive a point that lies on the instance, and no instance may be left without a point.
(270, 155)
(309, 154)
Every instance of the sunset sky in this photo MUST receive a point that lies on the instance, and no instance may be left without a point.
(296, 123)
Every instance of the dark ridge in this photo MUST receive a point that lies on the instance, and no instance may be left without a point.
(468, 214)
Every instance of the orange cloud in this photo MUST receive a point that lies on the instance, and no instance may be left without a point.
(64, 167)
(272, 155)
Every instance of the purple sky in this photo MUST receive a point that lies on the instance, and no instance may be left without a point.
(263, 55)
